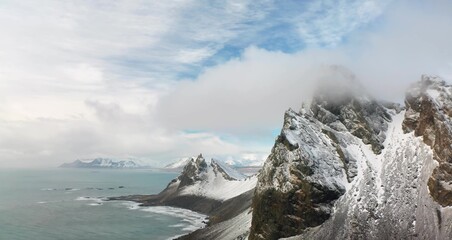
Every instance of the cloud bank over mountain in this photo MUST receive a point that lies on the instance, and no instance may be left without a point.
(165, 80)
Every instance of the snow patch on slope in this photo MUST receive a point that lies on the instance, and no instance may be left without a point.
(215, 186)
(229, 171)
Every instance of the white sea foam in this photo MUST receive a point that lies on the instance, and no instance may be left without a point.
(131, 205)
(95, 204)
(94, 199)
(193, 220)
(48, 189)
(71, 189)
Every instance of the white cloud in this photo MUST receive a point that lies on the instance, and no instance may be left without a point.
(245, 95)
(325, 23)
(92, 78)
(250, 94)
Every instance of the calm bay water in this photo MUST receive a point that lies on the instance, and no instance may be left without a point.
(67, 204)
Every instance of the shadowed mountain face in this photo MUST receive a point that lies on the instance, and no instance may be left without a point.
(350, 167)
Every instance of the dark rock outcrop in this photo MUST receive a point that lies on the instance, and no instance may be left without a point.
(299, 182)
(350, 107)
(429, 114)
(192, 171)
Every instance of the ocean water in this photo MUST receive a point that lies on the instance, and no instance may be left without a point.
(67, 204)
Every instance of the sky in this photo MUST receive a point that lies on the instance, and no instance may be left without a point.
(162, 80)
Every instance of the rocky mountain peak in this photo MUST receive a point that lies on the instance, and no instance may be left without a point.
(429, 114)
(300, 180)
(317, 154)
(349, 108)
(350, 167)
(193, 171)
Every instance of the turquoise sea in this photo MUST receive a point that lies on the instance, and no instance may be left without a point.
(68, 204)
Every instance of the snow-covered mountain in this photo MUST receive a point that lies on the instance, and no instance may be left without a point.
(351, 167)
(215, 180)
(105, 163)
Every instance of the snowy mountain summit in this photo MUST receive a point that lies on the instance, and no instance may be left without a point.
(215, 180)
(351, 167)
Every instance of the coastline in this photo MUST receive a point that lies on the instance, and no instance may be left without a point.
(216, 211)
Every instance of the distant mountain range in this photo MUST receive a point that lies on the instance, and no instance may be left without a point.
(106, 163)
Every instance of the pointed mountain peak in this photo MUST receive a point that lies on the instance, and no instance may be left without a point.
(201, 162)
(342, 103)
(192, 171)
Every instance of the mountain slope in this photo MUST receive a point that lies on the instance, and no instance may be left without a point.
(350, 167)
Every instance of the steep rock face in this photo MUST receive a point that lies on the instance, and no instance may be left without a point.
(390, 201)
(383, 181)
(192, 171)
(429, 114)
(356, 113)
(299, 181)
(361, 116)
(342, 103)
(312, 162)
